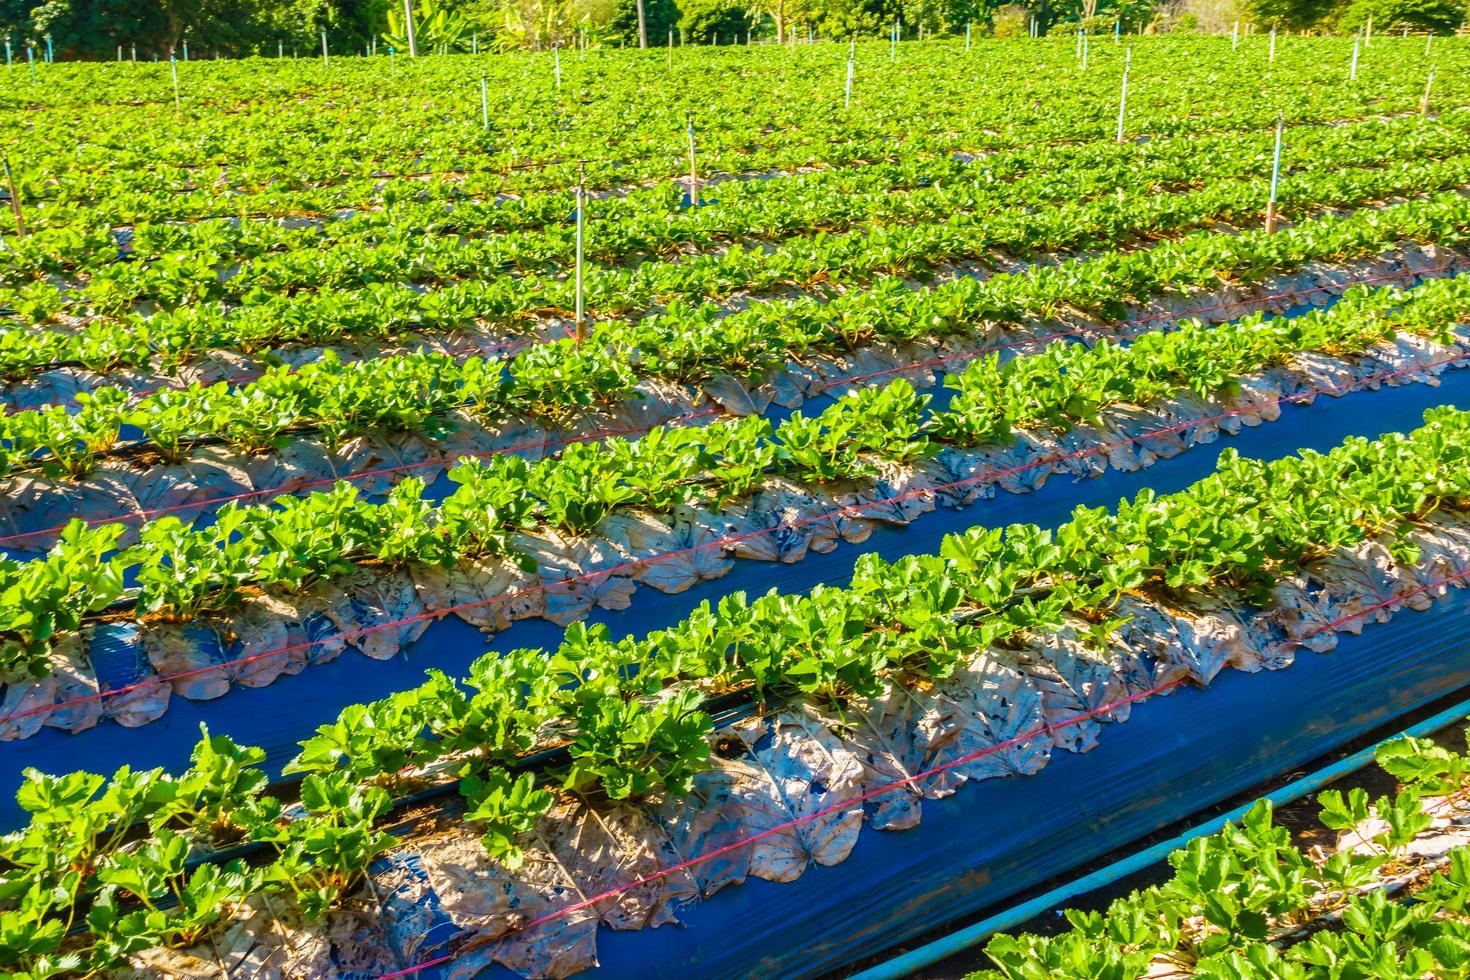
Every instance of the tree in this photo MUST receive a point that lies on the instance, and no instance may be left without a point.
(1441, 16)
(433, 27)
(705, 21)
(659, 17)
(1286, 15)
(784, 14)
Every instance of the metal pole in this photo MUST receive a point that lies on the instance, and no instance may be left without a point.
(642, 27)
(1427, 42)
(1428, 87)
(186, 49)
(1275, 180)
(581, 321)
(1273, 45)
(556, 53)
(413, 44)
(31, 61)
(967, 35)
(1235, 36)
(20, 221)
(173, 67)
(484, 105)
(280, 50)
(1353, 71)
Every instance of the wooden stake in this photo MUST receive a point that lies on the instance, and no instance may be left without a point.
(325, 61)
(20, 221)
(1273, 45)
(173, 67)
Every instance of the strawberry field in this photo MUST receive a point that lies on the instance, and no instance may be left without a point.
(672, 512)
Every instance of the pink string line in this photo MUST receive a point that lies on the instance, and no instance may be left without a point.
(848, 804)
(1395, 600)
(272, 492)
(851, 510)
(1045, 728)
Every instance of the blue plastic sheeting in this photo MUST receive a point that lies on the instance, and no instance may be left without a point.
(276, 717)
(997, 837)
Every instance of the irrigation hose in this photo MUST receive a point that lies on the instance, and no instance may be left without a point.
(914, 960)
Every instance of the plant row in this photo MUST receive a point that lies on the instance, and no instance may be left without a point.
(189, 291)
(180, 572)
(112, 856)
(556, 380)
(1238, 902)
(651, 222)
(283, 126)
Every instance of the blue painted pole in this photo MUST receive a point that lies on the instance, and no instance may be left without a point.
(1016, 916)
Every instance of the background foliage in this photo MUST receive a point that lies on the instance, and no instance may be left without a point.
(227, 28)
